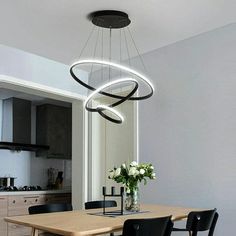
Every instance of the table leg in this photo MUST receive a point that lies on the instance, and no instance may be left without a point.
(34, 232)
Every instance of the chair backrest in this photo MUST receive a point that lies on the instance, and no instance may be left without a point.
(202, 221)
(148, 227)
(49, 208)
(99, 204)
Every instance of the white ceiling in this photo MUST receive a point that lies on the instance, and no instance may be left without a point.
(57, 29)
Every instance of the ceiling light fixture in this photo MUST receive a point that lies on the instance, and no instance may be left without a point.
(102, 108)
(113, 73)
(107, 85)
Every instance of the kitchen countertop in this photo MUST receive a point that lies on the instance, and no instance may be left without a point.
(13, 193)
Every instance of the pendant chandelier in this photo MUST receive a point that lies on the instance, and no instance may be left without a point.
(110, 81)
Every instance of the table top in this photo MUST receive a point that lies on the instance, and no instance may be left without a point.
(80, 223)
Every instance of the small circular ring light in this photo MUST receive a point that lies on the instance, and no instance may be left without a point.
(102, 108)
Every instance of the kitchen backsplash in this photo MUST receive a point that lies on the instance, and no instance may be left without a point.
(30, 170)
(39, 167)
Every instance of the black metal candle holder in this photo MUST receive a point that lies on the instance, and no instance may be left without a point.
(112, 194)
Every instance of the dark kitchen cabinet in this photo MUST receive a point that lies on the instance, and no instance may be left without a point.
(54, 128)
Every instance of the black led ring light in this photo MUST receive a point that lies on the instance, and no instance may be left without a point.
(117, 66)
(119, 81)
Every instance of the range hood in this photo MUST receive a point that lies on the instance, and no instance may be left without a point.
(22, 147)
(16, 126)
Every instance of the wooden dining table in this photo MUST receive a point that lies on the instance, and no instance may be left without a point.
(91, 222)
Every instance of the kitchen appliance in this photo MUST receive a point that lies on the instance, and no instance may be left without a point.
(7, 181)
(25, 188)
(16, 126)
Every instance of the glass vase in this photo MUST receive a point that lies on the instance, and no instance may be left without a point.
(132, 200)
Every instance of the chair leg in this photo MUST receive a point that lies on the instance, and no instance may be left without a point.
(211, 231)
(34, 232)
(194, 233)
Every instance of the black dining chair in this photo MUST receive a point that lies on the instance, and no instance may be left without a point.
(148, 227)
(48, 208)
(200, 221)
(99, 204)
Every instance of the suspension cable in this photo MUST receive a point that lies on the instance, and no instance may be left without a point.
(86, 43)
(94, 53)
(127, 48)
(140, 56)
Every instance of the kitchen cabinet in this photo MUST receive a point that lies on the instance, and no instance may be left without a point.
(15, 205)
(3, 213)
(54, 128)
(18, 205)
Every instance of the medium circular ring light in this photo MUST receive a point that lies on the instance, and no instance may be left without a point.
(102, 108)
(117, 66)
(107, 85)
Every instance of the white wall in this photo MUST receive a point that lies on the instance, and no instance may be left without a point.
(39, 170)
(188, 129)
(110, 145)
(15, 164)
(30, 67)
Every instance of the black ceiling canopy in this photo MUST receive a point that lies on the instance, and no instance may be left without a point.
(110, 19)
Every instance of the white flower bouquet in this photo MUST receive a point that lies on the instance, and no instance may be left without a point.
(130, 175)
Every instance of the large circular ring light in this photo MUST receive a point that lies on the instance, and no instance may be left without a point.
(117, 66)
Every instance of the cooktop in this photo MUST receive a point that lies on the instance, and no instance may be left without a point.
(25, 188)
